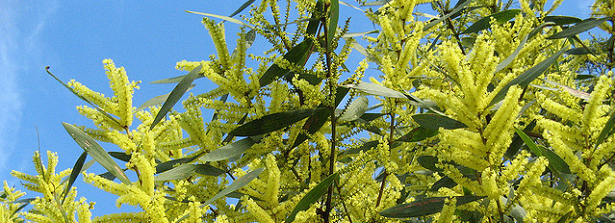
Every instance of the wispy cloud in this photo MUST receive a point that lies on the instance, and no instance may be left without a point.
(21, 24)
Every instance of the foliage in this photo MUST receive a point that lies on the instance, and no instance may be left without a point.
(484, 114)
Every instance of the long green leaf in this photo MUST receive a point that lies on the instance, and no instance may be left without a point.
(272, 122)
(579, 28)
(230, 150)
(319, 118)
(334, 16)
(158, 99)
(236, 185)
(226, 18)
(176, 94)
(556, 163)
(528, 76)
(425, 206)
(457, 9)
(82, 98)
(297, 55)
(607, 130)
(355, 110)
(96, 151)
(187, 170)
(500, 17)
(376, 89)
(434, 121)
(74, 173)
(418, 134)
(242, 7)
(561, 20)
(312, 196)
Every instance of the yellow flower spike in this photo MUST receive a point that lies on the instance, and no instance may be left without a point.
(558, 109)
(448, 211)
(217, 35)
(592, 111)
(499, 131)
(102, 121)
(273, 181)
(95, 97)
(576, 165)
(257, 212)
(146, 172)
(104, 184)
(84, 215)
(121, 217)
(123, 90)
(600, 191)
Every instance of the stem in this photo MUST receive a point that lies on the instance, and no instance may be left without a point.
(385, 174)
(331, 86)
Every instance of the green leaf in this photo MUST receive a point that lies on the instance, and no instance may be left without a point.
(82, 98)
(443, 182)
(96, 151)
(376, 89)
(312, 27)
(162, 167)
(230, 150)
(350, 35)
(312, 196)
(418, 134)
(176, 94)
(272, 122)
(355, 110)
(174, 79)
(226, 18)
(334, 16)
(242, 7)
(120, 156)
(434, 121)
(556, 163)
(561, 20)
(579, 28)
(528, 76)
(236, 185)
(425, 206)
(187, 170)
(607, 130)
(500, 17)
(457, 9)
(74, 173)
(297, 55)
(517, 142)
(429, 162)
(159, 99)
(513, 55)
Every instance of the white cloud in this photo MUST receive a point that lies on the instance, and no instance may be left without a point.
(21, 24)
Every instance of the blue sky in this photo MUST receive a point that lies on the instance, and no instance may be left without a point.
(73, 37)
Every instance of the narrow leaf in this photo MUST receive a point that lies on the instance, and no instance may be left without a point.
(228, 151)
(120, 156)
(176, 94)
(334, 16)
(158, 99)
(425, 206)
(556, 163)
(178, 173)
(74, 173)
(429, 162)
(562, 20)
(607, 130)
(297, 55)
(579, 28)
(272, 122)
(434, 121)
(355, 110)
(312, 196)
(528, 76)
(376, 89)
(242, 7)
(418, 134)
(500, 17)
(350, 35)
(162, 167)
(96, 151)
(226, 18)
(457, 9)
(236, 185)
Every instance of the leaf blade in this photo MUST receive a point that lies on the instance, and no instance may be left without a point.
(89, 145)
(312, 196)
(176, 94)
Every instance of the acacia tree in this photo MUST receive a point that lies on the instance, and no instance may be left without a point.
(484, 114)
